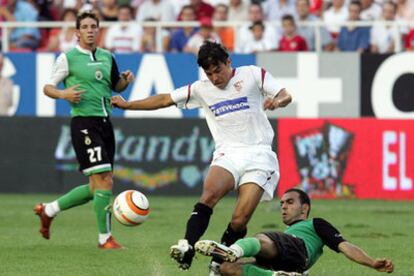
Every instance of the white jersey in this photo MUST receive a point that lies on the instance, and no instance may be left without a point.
(235, 114)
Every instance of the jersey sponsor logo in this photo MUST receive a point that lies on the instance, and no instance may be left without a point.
(229, 106)
(84, 131)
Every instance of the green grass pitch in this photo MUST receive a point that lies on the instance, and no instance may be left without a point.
(382, 228)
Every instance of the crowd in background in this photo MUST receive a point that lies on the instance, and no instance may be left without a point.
(257, 33)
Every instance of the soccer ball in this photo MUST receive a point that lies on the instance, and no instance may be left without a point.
(131, 208)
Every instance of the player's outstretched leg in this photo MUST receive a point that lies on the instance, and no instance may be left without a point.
(183, 253)
(217, 250)
(47, 211)
(45, 220)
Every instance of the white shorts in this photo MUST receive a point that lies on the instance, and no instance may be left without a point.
(256, 164)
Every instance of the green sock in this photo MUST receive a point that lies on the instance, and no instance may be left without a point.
(77, 196)
(252, 270)
(101, 201)
(250, 246)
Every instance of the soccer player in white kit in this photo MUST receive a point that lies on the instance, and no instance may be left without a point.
(234, 101)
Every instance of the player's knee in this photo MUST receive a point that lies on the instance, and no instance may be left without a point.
(209, 198)
(239, 221)
(229, 268)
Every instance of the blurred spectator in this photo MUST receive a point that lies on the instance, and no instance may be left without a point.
(124, 38)
(335, 15)
(308, 32)
(383, 37)
(204, 33)
(226, 34)
(405, 10)
(6, 90)
(158, 10)
(63, 39)
(271, 34)
(291, 41)
(238, 10)
(354, 38)
(179, 37)
(202, 9)
(148, 42)
(274, 10)
(409, 41)
(259, 42)
(371, 10)
(109, 10)
(26, 37)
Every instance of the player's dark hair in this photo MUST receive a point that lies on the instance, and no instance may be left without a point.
(303, 197)
(288, 17)
(86, 14)
(211, 53)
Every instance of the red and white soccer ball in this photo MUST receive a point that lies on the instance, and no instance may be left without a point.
(131, 208)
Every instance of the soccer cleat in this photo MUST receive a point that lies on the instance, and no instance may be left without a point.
(215, 249)
(285, 273)
(183, 254)
(45, 220)
(110, 244)
(214, 269)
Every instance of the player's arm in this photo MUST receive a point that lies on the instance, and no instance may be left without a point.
(120, 81)
(150, 103)
(59, 73)
(281, 99)
(359, 256)
(71, 94)
(332, 238)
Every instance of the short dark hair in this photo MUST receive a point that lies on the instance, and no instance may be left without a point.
(288, 17)
(303, 197)
(211, 53)
(86, 14)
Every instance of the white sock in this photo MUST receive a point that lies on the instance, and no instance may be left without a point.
(238, 250)
(52, 209)
(104, 237)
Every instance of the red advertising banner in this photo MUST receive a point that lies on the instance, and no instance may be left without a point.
(362, 158)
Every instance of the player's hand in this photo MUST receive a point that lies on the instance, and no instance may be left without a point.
(119, 102)
(271, 104)
(72, 94)
(383, 265)
(128, 76)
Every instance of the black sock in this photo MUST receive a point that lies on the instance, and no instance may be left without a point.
(229, 237)
(198, 223)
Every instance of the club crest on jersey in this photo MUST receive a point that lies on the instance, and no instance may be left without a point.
(238, 85)
(98, 75)
(88, 140)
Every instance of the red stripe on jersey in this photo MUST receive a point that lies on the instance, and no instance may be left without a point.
(263, 76)
(188, 95)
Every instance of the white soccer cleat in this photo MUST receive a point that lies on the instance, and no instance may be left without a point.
(183, 253)
(215, 249)
(284, 273)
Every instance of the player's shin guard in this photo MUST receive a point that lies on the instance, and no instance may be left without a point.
(75, 197)
(198, 223)
(229, 237)
(101, 203)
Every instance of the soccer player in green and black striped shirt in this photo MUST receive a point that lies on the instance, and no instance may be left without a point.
(89, 74)
(291, 252)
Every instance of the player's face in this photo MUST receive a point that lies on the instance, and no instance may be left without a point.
(220, 75)
(292, 209)
(87, 33)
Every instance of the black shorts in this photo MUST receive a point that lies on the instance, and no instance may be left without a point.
(292, 255)
(94, 143)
